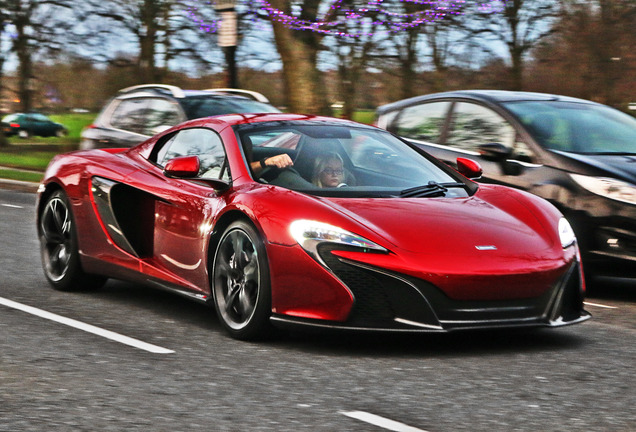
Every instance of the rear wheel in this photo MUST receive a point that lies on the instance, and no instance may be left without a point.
(58, 247)
(24, 133)
(241, 285)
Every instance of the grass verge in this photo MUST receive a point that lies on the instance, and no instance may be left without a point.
(20, 175)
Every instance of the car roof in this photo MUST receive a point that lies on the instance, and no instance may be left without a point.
(251, 118)
(147, 90)
(489, 96)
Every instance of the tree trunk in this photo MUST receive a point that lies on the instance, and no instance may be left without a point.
(298, 50)
(148, 41)
(516, 70)
(25, 67)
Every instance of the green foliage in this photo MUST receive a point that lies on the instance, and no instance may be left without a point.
(364, 116)
(20, 175)
(28, 159)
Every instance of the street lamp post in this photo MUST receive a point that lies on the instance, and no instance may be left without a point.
(227, 38)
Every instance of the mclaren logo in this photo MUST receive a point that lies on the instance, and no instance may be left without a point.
(486, 247)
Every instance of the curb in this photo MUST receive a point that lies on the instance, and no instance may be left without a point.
(19, 185)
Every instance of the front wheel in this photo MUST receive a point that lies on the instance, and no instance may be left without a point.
(58, 247)
(240, 284)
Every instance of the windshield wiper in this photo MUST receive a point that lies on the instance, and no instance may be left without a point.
(432, 189)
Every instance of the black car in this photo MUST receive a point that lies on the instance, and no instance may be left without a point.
(137, 113)
(26, 125)
(578, 154)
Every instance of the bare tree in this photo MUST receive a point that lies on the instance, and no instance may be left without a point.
(37, 26)
(298, 52)
(3, 57)
(519, 26)
(592, 54)
(160, 30)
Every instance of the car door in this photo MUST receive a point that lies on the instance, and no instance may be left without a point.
(184, 214)
(41, 125)
(452, 129)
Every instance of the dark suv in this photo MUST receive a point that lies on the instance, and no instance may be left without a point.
(579, 155)
(136, 113)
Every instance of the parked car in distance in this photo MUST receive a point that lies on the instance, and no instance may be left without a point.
(26, 125)
(578, 154)
(136, 113)
(339, 237)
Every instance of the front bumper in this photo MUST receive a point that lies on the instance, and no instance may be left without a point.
(385, 301)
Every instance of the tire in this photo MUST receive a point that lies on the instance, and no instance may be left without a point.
(241, 284)
(24, 134)
(61, 133)
(58, 247)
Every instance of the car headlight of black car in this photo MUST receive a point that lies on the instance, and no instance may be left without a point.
(608, 187)
(310, 234)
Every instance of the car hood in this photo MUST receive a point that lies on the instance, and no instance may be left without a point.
(617, 166)
(503, 223)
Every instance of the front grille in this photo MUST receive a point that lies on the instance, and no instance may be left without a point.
(386, 300)
(379, 298)
(569, 296)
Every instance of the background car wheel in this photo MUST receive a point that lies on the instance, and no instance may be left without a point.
(61, 133)
(240, 284)
(24, 134)
(58, 247)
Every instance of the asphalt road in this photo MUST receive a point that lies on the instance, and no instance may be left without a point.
(58, 375)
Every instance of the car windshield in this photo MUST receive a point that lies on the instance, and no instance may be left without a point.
(206, 106)
(330, 159)
(577, 127)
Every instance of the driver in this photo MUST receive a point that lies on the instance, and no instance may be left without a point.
(329, 171)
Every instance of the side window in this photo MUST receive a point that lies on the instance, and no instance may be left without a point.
(473, 125)
(129, 115)
(203, 143)
(40, 118)
(161, 113)
(422, 122)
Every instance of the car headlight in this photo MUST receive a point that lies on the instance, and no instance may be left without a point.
(566, 233)
(608, 187)
(309, 234)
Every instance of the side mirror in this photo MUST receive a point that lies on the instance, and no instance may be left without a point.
(187, 167)
(182, 167)
(495, 152)
(469, 168)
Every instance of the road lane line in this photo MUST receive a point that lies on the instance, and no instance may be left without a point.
(86, 327)
(599, 305)
(380, 421)
(12, 206)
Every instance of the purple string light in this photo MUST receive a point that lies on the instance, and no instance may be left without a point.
(372, 15)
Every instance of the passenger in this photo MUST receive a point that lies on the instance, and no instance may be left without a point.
(329, 171)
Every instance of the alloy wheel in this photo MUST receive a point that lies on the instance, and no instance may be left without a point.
(236, 279)
(55, 228)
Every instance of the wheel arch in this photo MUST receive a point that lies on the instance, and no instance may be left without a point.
(49, 189)
(221, 225)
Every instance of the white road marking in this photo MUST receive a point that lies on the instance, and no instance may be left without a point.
(86, 327)
(380, 421)
(599, 305)
(12, 206)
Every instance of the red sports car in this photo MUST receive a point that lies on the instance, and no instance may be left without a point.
(293, 220)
